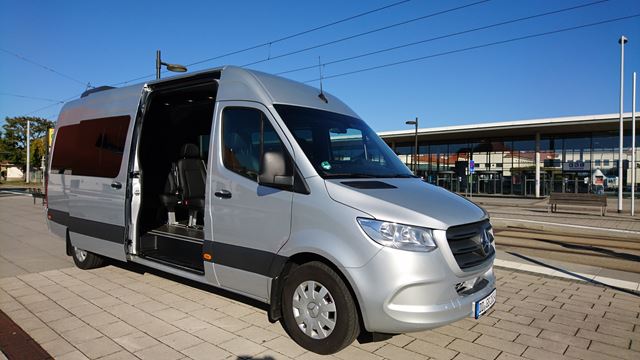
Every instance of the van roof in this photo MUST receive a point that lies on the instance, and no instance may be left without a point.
(235, 84)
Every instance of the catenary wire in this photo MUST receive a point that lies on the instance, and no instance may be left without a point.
(438, 54)
(245, 49)
(287, 37)
(444, 36)
(303, 32)
(30, 97)
(52, 105)
(23, 58)
(435, 55)
(475, 47)
(367, 32)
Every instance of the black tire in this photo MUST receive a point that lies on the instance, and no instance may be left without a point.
(347, 326)
(90, 260)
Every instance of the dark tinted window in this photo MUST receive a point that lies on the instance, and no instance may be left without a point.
(91, 148)
(65, 147)
(246, 135)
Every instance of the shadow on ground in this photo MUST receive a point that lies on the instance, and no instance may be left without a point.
(616, 254)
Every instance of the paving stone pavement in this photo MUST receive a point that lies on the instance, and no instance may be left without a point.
(116, 313)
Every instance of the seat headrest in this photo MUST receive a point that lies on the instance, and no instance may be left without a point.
(189, 151)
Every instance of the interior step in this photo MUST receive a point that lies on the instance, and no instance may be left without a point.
(176, 246)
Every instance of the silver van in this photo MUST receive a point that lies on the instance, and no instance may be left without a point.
(273, 190)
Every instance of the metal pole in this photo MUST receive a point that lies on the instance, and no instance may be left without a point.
(633, 146)
(28, 150)
(158, 64)
(43, 170)
(415, 161)
(537, 180)
(623, 40)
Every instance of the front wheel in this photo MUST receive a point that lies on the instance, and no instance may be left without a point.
(86, 260)
(318, 311)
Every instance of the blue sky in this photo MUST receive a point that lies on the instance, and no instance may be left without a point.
(570, 73)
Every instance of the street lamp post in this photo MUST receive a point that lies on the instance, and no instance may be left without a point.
(633, 146)
(28, 151)
(623, 40)
(170, 67)
(414, 157)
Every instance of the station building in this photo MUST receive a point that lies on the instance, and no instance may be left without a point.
(577, 154)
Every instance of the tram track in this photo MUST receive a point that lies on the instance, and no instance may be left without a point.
(610, 252)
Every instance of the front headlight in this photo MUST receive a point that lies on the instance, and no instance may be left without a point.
(398, 236)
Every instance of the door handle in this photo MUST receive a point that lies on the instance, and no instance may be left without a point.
(223, 194)
(116, 185)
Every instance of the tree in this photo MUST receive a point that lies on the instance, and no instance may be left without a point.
(4, 151)
(38, 150)
(13, 143)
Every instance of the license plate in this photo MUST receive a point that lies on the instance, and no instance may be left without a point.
(481, 306)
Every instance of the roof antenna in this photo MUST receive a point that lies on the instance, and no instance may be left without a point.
(321, 95)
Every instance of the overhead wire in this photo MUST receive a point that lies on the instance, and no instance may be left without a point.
(51, 105)
(281, 39)
(405, 22)
(444, 36)
(475, 47)
(25, 59)
(30, 97)
(304, 32)
(404, 45)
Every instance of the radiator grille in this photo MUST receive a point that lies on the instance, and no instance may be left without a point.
(471, 244)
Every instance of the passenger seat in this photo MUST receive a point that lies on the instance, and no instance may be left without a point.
(169, 198)
(192, 175)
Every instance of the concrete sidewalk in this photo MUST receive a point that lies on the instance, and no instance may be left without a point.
(26, 246)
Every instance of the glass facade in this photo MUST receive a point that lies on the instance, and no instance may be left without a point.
(575, 163)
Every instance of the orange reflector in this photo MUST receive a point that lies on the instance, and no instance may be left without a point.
(49, 216)
(206, 256)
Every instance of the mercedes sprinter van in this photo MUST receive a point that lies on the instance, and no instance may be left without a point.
(270, 189)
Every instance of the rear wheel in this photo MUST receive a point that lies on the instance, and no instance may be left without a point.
(86, 260)
(318, 311)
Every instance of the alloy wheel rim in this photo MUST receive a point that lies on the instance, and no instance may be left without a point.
(314, 309)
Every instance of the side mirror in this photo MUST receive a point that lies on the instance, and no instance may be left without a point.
(275, 171)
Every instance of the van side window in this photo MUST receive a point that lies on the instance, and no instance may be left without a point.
(246, 135)
(91, 148)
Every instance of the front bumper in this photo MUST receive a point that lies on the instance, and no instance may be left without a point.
(403, 291)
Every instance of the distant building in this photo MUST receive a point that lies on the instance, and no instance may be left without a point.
(567, 151)
(10, 172)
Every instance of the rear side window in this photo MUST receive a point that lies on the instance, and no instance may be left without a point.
(91, 148)
(246, 135)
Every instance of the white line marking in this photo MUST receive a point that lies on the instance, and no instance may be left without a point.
(570, 225)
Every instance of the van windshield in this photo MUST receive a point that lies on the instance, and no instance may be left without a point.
(341, 146)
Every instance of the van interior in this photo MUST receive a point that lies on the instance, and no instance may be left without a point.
(173, 153)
